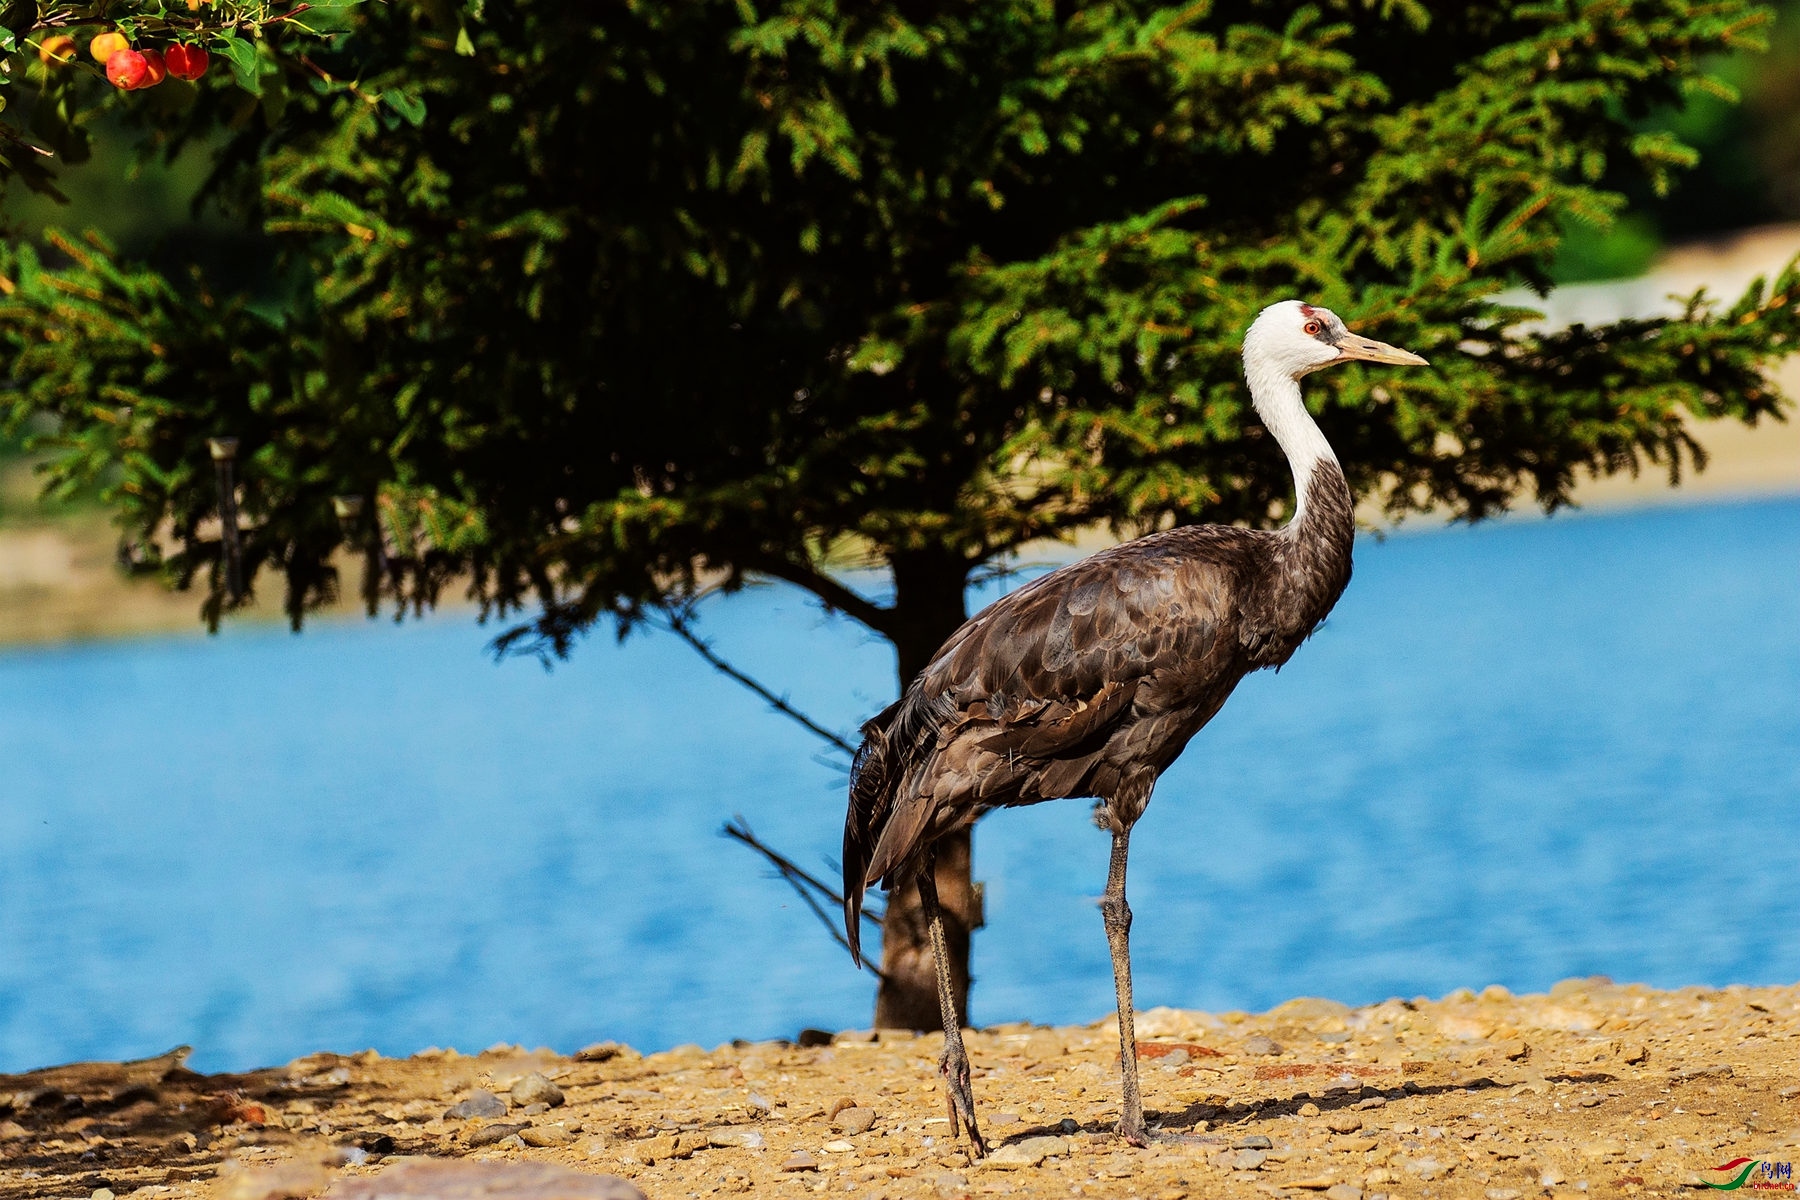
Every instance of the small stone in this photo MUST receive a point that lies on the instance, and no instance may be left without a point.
(807, 1038)
(1425, 1168)
(1309, 1109)
(1721, 1070)
(1368, 1102)
(1514, 1049)
(1249, 1160)
(1634, 1052)
(840, 1146)
(800, 1160)
(599, 1052)
(997, 1119)
(1343, 1122)
(102, 1194)
(1255, 1141)
(656, 1149)
(839, 1105)
(738, 1139)
(854, 1121)
(1591, 1101)
(1027, 1152)
(487, 1135)
(480, 1103)
(1601, 1148)
(11, 1131)
(532, 1110)
(1343, 1191)
(536, 1088)
(546, 1135)
(950, 1186)
(1261, 1045)
(1551, 1177)
(1310, 1183)
(1503, 1194)
(687, 1143)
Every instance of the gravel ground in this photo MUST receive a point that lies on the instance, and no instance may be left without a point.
(1592, 1089)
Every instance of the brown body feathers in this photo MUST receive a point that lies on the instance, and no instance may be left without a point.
(1089, 681)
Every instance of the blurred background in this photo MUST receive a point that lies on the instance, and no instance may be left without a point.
(1519, 751)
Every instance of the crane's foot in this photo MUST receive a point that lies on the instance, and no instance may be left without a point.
(1134, 1133)
(959, 1097)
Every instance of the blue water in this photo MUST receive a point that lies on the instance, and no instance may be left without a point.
(1516, 753)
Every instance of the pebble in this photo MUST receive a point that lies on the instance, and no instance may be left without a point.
(1343, 1123)
(536, 1088)
(1601, 1148)
(487, 1135)
(1309, 1109)
(1343, 1191)
(1425, 1168)
(102, 1194)
(1368, 1102)
(742, 1139)
(1027, 1152)
(1551, 1177)
(1503, 1194)
(656, 1149)
(840, 1146)
(1249, 1160)
(950, 1186)
(479, 1104)
(1255, 1141)
(800, 1160)
(546, 1135)
(854, 1120)
(1261, 1045)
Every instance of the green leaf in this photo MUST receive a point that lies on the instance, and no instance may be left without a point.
(465, 45)
(409, 107)
(244, 66)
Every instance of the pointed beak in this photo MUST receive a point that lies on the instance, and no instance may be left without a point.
(1370, 350)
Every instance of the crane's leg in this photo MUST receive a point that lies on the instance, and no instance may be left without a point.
(953, 1064)
(1117, 914)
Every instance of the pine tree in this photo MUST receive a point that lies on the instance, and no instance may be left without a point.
(602, 313)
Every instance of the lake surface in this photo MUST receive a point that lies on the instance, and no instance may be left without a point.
(1517, 752)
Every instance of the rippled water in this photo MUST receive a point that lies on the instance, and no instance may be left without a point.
(1516, 753)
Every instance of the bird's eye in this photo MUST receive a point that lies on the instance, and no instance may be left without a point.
(1311, 328)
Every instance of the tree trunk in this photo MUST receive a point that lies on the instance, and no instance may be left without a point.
(928, 607)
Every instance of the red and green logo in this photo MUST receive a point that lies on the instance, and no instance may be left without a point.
(1754, 1174)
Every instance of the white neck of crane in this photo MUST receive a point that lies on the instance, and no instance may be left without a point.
(1276, 395)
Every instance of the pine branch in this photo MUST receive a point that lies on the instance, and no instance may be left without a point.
(677, 623)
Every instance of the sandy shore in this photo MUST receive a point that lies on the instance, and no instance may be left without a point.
(1592, 1089)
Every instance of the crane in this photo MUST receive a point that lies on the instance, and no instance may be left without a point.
(1089, 681)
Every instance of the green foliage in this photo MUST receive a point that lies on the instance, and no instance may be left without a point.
(253, 37)
(601, 310)
(1748, 168)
